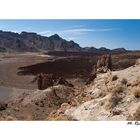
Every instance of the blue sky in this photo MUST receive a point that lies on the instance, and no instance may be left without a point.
(97, 33)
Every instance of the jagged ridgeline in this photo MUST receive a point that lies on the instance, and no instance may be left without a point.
(33, 42)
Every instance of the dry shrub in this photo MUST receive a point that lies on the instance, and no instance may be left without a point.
(135, 116)
(128, 84)
(83, 94)
(118, 89)
(114, 77)
(4, 117)
(116, 112)
(136, 82)
(57, 117)
(116, 97)
(124, 81)
(137, 92)
(103, 94)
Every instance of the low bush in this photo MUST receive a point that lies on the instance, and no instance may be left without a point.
(137, 92)
(136, 82)
(115, 97)
(135, 116)
(118, 89)
(124, 81)
(114, 77)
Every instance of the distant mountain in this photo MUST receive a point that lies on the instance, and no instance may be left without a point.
(119, 50)
(90, 49)
(104, 49)
(33, 42)
(59, 44)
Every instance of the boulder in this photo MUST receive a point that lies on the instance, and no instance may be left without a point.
(44, 81)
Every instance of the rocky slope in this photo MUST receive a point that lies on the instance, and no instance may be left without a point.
(34, 104)
(111, 96)
(108, 95)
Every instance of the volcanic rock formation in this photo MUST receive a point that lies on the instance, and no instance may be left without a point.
(104, 64)
(47, 80)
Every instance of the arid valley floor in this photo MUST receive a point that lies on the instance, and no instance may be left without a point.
(111, 95)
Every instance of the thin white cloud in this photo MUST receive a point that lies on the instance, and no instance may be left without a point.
(87, 30)
(75, 31)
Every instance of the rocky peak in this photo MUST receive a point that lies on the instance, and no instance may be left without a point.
(55, 37)
(29, 41)
(28, 34)
(104, 49)
(90, 49)
(119, 50)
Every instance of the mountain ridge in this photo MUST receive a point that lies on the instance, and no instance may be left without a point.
(33, 42)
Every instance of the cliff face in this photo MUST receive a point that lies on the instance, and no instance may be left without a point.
(33, 42)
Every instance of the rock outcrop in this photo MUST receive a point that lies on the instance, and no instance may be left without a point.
(104, 64)
(44, 80)
(47, 80)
